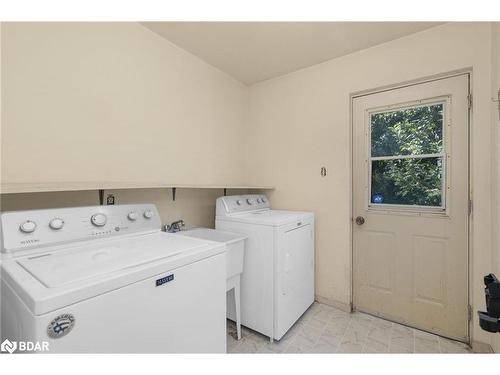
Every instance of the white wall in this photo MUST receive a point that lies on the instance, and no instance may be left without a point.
(114, 102)
(300, 122)
(496, 160)
(195, 206)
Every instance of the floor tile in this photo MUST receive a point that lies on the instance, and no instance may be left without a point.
(356, 333)
(382, 335)
(316, 323)
(397, 349)
(349, 347)
(325, 329)
(336, 320)
(336, 330)
(323, 316)
(326, 344)
(231, 340)
(307, 336)
(361, 319)
(375, 346)
(298, 349)
(426, 342)
(402, 339)
(451, 346)
(248, 345)
(401, 331)
(330, 338)
(382, 323)
(354, 339)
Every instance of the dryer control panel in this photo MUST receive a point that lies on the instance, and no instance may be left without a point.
(23, 230)
(241, 203)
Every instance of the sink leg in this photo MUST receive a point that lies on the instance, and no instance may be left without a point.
(237, 305)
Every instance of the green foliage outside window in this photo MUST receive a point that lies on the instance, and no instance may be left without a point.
(412, 131)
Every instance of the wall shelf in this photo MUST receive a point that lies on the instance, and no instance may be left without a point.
(16, 188)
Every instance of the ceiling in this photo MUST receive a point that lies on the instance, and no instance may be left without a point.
(256, 51)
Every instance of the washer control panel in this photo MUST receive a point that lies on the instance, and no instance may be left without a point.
(31, 229)
(241, 203)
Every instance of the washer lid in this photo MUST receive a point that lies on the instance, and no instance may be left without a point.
(64, 276)
(85, 262)
(268, 217)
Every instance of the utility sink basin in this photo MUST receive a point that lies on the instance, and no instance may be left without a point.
(235, 249)
(235, 246)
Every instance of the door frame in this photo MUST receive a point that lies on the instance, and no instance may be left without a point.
(415, 82)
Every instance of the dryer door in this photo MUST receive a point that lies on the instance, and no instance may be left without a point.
(294, 276)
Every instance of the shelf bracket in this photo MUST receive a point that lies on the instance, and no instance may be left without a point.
(174, 190)
(101, 197)
(225, 191)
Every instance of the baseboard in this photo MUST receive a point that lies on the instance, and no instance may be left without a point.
(481, 347)
(334, 303)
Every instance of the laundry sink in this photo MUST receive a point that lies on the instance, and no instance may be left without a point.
(235, 249)
(235, 246)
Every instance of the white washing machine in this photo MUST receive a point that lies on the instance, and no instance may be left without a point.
(277, 284)
(105, 279)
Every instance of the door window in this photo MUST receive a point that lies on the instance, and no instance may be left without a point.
(407, 157)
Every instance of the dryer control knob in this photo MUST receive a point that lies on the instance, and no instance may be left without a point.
(132, 216)
(56, 223)
(250, 201)
(239, 202)
(99, 220)
(259, 200)
(28, 226)
(148, 214)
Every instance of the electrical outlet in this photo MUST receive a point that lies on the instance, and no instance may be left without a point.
(110, 199)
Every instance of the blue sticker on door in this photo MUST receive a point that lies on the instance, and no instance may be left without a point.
(377, 198)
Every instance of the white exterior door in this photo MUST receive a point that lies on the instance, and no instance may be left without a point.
(410, 205)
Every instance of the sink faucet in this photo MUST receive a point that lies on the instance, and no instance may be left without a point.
(176, 226)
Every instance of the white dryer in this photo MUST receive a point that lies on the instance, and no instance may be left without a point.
(277, 284)
(105, 279)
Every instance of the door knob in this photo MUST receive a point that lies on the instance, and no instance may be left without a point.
(360, 220)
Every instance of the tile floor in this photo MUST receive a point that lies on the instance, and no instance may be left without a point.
(324, 329)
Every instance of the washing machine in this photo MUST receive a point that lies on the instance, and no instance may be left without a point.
(105, 279)
(277, 283)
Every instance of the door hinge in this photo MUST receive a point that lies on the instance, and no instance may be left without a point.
(469, 313)
(469, 101)
(497, 100)
(470, 207)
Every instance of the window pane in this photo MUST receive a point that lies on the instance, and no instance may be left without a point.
(411, 131)
(407, 181)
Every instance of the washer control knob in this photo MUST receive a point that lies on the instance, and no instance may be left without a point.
(148, 214)
(250, 201)
(259, 200)
(239, 202)
(132, 216)
(56, 223)
(28, 226)
(99, 220)
(263, 200)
